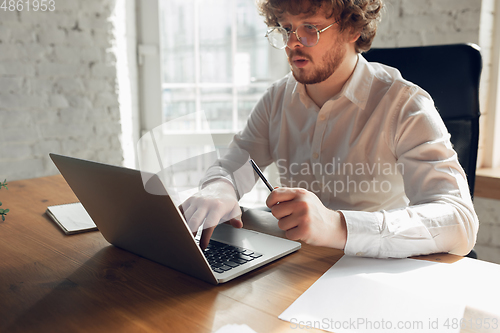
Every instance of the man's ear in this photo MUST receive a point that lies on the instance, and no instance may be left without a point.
(354, 37)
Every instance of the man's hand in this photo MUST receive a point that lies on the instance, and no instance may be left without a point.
(304, 217)
(216, 203)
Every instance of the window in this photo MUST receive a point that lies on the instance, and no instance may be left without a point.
(211, 59)
(214, 59)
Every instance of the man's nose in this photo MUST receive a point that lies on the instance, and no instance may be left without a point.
(293, 41)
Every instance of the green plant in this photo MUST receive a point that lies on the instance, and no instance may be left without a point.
(3, 212)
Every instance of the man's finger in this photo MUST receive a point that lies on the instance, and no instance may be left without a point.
(205, 237)
(280, 195)
(195, 218)
(287, 223)
(236, 223)
(294, 234)
(283, 209)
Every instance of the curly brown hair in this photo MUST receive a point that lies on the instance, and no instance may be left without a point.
(356, 16)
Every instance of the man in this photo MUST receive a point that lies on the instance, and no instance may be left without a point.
(365, 160)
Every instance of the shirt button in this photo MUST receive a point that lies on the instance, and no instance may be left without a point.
(315, 155)
(360, 254)
(322, 117)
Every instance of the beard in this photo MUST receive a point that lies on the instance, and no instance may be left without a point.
(331, 62)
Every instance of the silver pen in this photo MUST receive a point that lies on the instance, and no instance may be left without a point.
(261, 175)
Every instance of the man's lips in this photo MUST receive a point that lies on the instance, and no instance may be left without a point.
(298, 60)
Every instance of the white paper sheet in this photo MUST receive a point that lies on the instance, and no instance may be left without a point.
(400, 295)
(235, 328)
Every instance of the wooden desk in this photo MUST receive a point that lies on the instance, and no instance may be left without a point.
(50, 282)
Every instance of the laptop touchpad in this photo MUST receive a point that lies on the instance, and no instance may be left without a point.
(239, 237)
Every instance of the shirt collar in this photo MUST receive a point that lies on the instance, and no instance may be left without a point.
(356, 89)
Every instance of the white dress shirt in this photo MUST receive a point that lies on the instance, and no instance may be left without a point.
(378, 152)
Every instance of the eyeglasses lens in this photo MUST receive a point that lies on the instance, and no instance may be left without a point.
(278, 38)
(307, 35)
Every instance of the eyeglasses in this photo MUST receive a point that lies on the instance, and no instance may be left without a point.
(307, 35)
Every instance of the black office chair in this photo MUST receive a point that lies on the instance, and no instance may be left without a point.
(450, 74)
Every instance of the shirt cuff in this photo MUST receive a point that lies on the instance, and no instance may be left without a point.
(363, 233)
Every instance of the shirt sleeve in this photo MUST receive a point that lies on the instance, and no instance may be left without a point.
(440, 217)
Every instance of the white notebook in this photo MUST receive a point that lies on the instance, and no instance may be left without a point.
(72, 218)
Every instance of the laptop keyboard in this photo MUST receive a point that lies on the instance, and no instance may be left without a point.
(223, 257)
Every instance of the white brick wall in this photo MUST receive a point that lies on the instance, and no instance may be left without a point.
(429, 22)
(57, 87)
(488, 240)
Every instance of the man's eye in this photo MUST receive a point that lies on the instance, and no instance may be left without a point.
(310, 28)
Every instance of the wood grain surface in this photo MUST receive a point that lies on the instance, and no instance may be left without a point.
(52, 282)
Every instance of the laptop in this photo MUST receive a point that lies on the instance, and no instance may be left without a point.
(151, 226)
